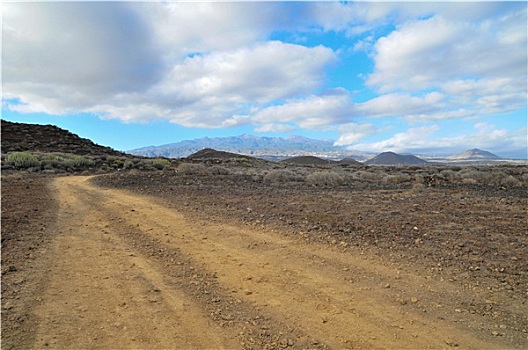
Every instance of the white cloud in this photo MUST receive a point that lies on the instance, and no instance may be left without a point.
(412, 59)
(192, 64)
(474, 68)
(410, 140)
(187, 27)
(275, 128)
(312, 112)
(209, 90)
(352, 133)
(260, 73)
(77, 46)
(399, 104)
(425, 140)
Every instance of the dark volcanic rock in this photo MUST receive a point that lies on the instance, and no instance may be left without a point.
(307, 160)
(350, 161)
(48, 138)
(391, 158)
(209, 153)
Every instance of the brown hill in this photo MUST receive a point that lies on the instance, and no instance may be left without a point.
(307, 160)
(350, 161)
(209, 154)
(48, 138)
(391, 158)
(476, 154)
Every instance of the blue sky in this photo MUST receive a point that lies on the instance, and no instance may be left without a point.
(425, 77)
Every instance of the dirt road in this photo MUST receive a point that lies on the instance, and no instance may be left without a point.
(126, 271)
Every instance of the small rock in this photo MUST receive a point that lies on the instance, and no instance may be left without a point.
(414, 300)
(452, 343)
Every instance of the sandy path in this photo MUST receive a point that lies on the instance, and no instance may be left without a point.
(128, 272)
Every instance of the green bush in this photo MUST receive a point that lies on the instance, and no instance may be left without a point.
(78, 161)
(22, 160)
(128, 164)
(161, 163)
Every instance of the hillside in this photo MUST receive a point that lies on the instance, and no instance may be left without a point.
(391, 158)
(350, 161)
(475, 154)
(48, 138)
(307, 160)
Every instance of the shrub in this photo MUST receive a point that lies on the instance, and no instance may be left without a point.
(22, 160)
(128, 164)
(524, 178)
(219, 170)
(418, 179)
(78, 161)
(325, 178)
(397, 178)
(192, 169)
(161, 163)
(367, 176)
(473, 177)
(282, 175)
(510, 181)
(418, 187)
(450, 176)
(469, 181)
(494, 178)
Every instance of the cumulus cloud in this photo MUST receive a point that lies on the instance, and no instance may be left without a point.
(77, 46)
(312, 112)
(275, 128)
(209, 90)
(192, 64)
(425, 140)
(352, 133)
(399, 104)
(260, 73)
(412, 59)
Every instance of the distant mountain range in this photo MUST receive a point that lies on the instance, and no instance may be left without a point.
(274, 148)
(279, 148)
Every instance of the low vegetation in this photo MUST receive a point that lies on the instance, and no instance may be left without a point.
(282, 176)
(60, 163)
(411, 177)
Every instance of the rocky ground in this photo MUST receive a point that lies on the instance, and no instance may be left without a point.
(474, 236)
(17, 137)
(263, 264)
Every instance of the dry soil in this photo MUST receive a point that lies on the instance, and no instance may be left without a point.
(86, 266)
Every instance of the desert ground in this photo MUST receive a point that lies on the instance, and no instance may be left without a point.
(204, 256)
